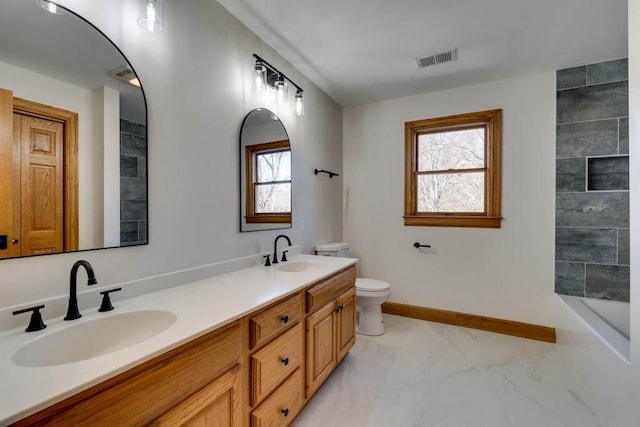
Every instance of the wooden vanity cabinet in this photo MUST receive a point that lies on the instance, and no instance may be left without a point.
(253, 371)
(198, 380)
(216, 405)
(330, 331)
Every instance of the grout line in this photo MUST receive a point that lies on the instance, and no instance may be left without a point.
(584, 290)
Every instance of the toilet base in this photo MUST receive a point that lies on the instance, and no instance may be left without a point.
(369, 321)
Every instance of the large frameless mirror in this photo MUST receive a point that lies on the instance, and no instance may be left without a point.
(73, 136)
(265, 173)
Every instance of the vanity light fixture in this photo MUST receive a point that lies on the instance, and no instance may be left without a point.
(299, 103)
(270, 78)
(51, 7)
(153, 19)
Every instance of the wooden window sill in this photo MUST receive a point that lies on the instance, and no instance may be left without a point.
(269, 219)
(453, 221)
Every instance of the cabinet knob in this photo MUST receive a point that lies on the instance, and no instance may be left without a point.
(284, 318)
(14, 241)
(285, 361)
(285, 412)
(338, 309)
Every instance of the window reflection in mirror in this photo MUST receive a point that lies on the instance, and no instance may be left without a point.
(73, 136)
(265, 173)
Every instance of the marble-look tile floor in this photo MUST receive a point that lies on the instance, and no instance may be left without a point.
(429, 374)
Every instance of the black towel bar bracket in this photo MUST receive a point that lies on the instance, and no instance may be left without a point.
(331, 174)
(418, 245)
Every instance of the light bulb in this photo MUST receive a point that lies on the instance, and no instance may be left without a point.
(259, 71)
(281, 90)
(153, 21)
(299, 103)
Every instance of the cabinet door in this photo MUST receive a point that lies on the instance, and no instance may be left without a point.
(321, 347)
(216, 405)
(345, 323)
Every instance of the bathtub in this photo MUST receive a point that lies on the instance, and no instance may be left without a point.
(593, 339)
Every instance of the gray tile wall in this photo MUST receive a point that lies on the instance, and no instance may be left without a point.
(592, 181)
(133, 183)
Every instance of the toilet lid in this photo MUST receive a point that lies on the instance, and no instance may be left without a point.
(372, 285)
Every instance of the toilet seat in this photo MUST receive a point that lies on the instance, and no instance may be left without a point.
(372, 285)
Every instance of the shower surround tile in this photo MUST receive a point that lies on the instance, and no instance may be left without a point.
(593, 103)
(595, 245)
(570, 175)
(623, 246)
(610, 209)
(592, 214)
(595, 138)
(608, 72)
(570, 278)
(623, 132)
(571, 78)
(608, 282)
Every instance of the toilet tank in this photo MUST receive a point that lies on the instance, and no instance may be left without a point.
(333, 249)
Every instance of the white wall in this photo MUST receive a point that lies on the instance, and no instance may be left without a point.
(45, 90)
(634, 195)
(197, 79)
(505, 273)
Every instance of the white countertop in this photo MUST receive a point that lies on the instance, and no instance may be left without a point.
(200, 307)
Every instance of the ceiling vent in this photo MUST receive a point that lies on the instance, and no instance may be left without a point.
(126, 73)
(438, 58)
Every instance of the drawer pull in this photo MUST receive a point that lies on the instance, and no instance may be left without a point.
(285, 412)
(284, 318)
(285, 361)
(339, 309)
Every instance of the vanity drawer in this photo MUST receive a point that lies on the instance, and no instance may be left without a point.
(273, 321)
(275, 362)
(282, 406)
(329, 289)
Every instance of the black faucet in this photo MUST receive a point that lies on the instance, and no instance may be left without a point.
(275, 248)
(72, 310)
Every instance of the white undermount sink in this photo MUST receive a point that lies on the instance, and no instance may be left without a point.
(93, 338)
(299, 266)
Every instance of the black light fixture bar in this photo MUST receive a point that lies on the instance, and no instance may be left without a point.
(275, 70)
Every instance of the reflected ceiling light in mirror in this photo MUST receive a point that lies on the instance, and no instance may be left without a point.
(153, 19)
(270, 80)
(126, 74)
(51, 7)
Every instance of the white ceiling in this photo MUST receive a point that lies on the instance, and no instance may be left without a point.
(64, 48)
(362, 51)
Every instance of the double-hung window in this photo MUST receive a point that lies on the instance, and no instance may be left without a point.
(452, 171)
(268, 182)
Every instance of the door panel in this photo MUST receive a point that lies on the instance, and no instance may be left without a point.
(42, 216)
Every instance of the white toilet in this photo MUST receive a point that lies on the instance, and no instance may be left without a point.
(370, 294)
